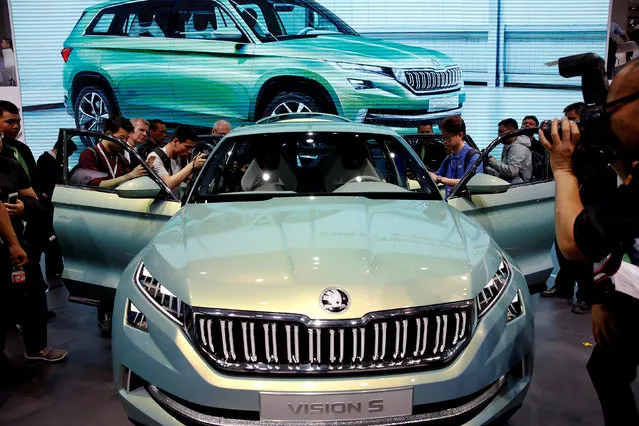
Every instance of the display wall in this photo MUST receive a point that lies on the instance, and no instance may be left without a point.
(497, 43)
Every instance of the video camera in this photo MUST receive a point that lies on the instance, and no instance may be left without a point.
(598, 145)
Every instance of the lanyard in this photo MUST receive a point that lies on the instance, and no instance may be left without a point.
(106, 160)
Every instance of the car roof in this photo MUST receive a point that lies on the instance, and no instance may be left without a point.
(312, 125)
(108, 3)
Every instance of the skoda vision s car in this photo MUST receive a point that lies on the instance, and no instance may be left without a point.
(315, 275)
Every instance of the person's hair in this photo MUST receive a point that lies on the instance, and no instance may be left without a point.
(531, 117)
(425, 123)
(577, 106)
(153, 124)
(112, 125)
(453, 124)
(221, 123)
(183, 133)
(71, 146)
(138, 120)
(509, 123)
(9, 107)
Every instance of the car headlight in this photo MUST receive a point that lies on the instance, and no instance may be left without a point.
(493, 290)
(367, 69)
(160, 296)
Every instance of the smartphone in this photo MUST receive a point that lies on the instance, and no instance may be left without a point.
(13, 198)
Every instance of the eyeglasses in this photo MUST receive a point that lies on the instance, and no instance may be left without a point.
(447, 137)
(617, 102)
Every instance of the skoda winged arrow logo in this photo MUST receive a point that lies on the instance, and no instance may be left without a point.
(334, 300)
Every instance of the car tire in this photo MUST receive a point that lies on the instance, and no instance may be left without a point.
(92, 106)
(291, 102)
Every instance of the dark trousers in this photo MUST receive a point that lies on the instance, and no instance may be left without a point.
(53, 261)
(25, 303)
(571, 271)
(612, 368)
(612, 57)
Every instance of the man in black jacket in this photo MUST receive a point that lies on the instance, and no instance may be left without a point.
(50, 166)
(27, 300)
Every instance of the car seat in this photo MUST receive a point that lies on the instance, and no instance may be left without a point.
(269, 171)
(350, 160)
(144, 25)
(201, 25)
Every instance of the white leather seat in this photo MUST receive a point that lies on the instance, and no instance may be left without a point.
(258, 179)
(345, 165)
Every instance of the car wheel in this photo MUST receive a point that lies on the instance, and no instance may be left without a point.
(92, 107)
(291, 102)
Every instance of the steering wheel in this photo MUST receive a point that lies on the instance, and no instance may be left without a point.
(306, 30)
(364, 179)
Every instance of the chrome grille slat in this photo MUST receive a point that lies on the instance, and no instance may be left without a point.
(271, 343)
(289, 352)
(297, 344)
(405, 337)
(445, 329)
(438, 320)
(425, 342)
(209, 329)
(224, 344)
(247, 356)
(384, 327)
(418, 322)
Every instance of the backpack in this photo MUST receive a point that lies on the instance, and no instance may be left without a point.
(469, 155)
(166, 161)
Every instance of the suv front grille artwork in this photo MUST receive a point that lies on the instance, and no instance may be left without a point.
(246, 342)
(429, 80)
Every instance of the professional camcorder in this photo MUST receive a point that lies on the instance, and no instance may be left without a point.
(598, 145)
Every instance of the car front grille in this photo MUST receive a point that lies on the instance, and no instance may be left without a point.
(433, 81)
(250, 342)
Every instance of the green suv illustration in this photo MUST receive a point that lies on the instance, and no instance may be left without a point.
(198, 61)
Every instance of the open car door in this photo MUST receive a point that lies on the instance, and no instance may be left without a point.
(520, 217)
(100, 230)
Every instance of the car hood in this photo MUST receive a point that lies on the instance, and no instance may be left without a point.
(357, 50)
(279, 255)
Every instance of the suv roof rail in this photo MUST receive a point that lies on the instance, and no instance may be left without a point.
(303, 116)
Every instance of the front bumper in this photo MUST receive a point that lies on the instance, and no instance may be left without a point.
(176, 385)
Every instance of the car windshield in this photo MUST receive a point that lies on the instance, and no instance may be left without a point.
(276, 20)
(267, 165)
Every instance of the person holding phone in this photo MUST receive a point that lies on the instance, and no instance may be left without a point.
(26, 300)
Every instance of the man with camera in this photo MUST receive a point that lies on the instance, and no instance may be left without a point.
(602, 233)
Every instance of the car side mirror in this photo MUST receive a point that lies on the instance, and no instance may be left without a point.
(486, 184)
(142, 187)
(228, 34)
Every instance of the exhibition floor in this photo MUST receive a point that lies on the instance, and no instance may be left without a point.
(81, 391)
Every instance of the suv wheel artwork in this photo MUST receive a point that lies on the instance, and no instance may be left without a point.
(291, 102)
(92, 107)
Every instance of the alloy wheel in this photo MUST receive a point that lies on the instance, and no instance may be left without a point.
(290, 107)
(92, 111)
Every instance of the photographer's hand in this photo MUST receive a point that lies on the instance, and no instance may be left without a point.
(562, 145)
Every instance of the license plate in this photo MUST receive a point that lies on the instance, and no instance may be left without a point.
(443, 103)
(318, 407)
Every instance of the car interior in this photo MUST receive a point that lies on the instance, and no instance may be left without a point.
(314, 165)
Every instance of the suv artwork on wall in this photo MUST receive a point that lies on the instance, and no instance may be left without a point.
(196, 61)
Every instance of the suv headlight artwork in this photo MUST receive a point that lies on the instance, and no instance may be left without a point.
(160, 296)
(367, 69)
(493, 290)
